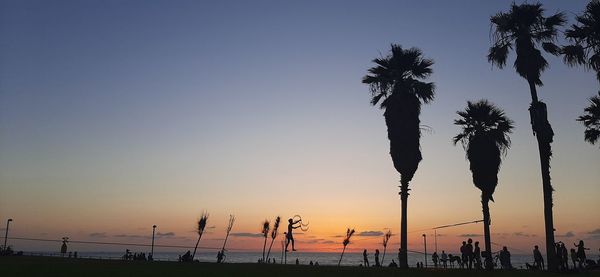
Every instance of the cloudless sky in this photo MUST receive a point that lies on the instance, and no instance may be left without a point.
(117, 115)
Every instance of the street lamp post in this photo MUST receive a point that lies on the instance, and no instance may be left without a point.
(425, 242)
(152, 249)
(6, 233)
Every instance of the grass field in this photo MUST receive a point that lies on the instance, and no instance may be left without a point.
(46, 266)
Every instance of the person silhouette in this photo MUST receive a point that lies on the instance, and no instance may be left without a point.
(377, 264)
(564, 255)
(505, 258)
(477, 255)
(581, 258)
(220, 256)
(469, 252)
(538, 259)
(435, 258)
(574, 258)
(463, 254)
(365, 259)
(444, 259)
(289, 236)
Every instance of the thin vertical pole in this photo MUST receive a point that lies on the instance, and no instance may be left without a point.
(6, 233)
(152, 249)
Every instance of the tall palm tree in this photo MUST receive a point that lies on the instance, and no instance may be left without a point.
(524, 28)
(201, 226)
(585, 38)
(591, 120)
(396, 83)
(484, 136)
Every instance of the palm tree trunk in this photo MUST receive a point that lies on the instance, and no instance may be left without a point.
(403, 262)
(486, 231)
(342, 255)
(382, 258)
(544, 135)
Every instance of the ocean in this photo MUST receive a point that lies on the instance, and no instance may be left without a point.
(304, 258)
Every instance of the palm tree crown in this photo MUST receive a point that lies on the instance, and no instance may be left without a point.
(585, 37)
(396, 82)
(400, 73)
(484, 136)
(524, 27)
(591, 120)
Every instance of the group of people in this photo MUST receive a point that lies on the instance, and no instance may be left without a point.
(366, 259)
(578, 257)
(141, 256)
(470, 256)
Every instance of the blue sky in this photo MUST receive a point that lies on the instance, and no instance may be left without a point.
(240, 106)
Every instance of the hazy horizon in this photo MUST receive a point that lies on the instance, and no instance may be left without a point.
(118, 115)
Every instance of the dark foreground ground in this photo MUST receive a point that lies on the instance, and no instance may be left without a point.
(46, 266)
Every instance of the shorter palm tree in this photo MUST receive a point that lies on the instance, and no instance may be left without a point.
(591, 120)
(265, 232)
(484, 136)
(346, 241)
(201, 226)
(386, 238)
(273, 234)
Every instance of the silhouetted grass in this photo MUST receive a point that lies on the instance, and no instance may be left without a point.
(46, 266)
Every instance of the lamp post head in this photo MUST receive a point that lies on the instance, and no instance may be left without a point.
(153, 226)
(9, 220)
(424, 235)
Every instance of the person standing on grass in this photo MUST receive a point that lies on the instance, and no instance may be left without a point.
(463, 254)
(435, 258)
(365, 258)
(444, 259)
(581, 253)
(469, 252)
(377, 264)
(477, 255)
(538, 258)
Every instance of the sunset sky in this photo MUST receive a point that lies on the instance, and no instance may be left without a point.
(118, 115)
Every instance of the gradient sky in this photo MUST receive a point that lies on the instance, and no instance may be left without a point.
(117, 115)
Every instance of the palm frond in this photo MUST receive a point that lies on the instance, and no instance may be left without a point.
(591, 120)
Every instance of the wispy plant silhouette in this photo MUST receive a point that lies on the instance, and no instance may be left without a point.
(346, 241)
(484, 136)
(524, 28)
(585, 39)
(386, 238)
(265, 231)
(396, 83)
(228, 230)
(273, 234)
(200, 230)
(591, 120)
